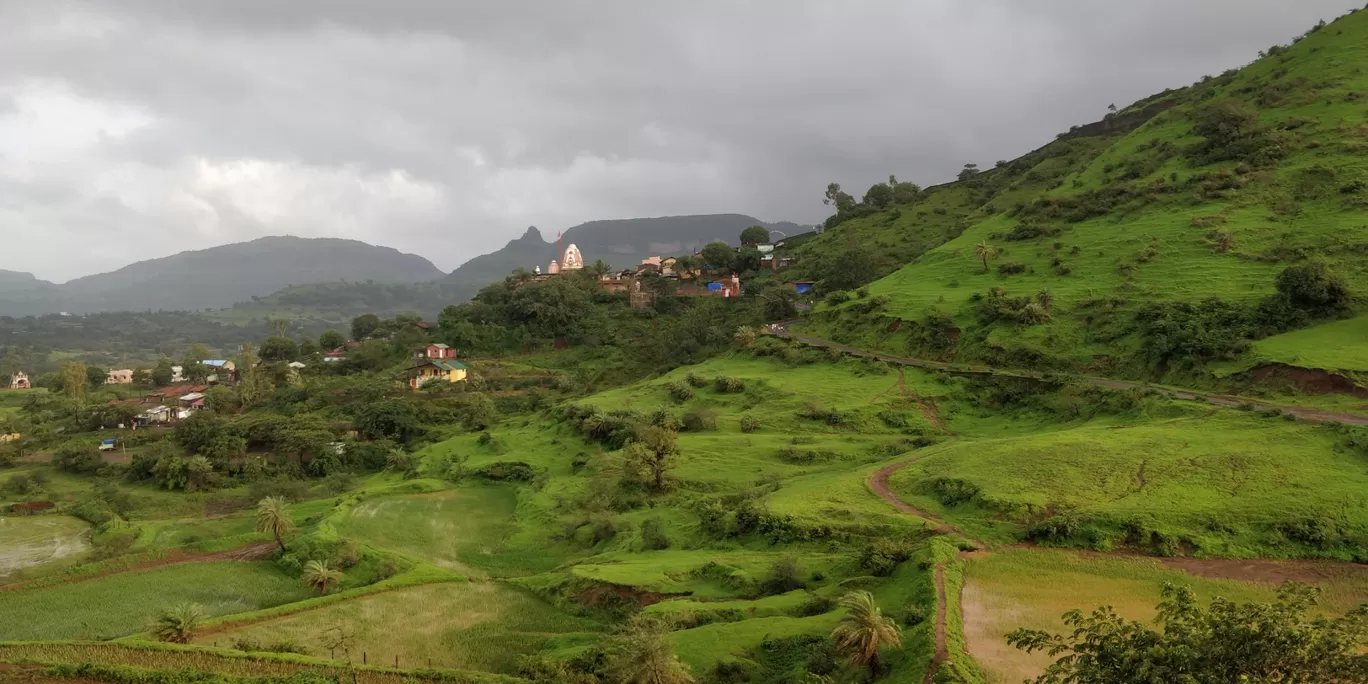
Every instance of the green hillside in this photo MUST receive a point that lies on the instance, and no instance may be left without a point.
(1243, 176)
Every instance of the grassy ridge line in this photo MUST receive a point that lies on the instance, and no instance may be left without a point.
(77, 660)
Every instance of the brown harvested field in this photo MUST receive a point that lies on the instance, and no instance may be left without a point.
(1020, 587)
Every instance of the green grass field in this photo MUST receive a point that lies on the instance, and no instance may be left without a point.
(1220, 480)
(1338, 346)
(31, 541)
(1031, 588)
(123, 604)
(471, 530)
(465, 625)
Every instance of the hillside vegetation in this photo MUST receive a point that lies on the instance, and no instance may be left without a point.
(1234, 213)
(663, 488)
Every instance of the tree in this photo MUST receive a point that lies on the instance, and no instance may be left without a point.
(747, 260)
(864, 631)
(281, 325)
(835, 197)
(1223, 642)
(273, 516)
(718, 256)
(331, 340)
(74, 381)
(279, 349)
(307, 347)
(652, 454)
(252, 382)
(969, 171)
(194, 354)
(879, 195)
(162, 374)
(755, 235)
(846, 269)
(143, 378)
(179, 623)
(220, 400)
(95, 376)
(363, 326)
(391, 419)
(643, 654)
(319, 576)
(985, 251)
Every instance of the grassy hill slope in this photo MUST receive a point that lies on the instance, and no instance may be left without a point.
(1243, 176)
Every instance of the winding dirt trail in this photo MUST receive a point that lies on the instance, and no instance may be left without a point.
(942, 643)
(1309, 414)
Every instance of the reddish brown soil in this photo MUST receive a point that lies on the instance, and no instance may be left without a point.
(251, 552)
(1308, 380)
(595, 596)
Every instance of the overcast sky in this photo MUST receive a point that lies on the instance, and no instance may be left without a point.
(134, 129)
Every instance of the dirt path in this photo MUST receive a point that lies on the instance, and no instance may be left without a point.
(250, 552)
(1305, 413)
(879, 484)
(942, 643)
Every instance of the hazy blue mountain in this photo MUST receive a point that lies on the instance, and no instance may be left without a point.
(217, 277)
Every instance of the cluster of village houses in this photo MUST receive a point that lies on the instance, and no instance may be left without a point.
(667, 267)
(435, 362)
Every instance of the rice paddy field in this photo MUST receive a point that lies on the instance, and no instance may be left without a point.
(461, 625)
(124, 603)
(31, 541)
(1031, 588)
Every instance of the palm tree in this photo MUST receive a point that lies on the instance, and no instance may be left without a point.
(318, 575)
(179, 623)
(273, 516)
(643, 655)
(1045, 299)
(985, 251)
(864, 630)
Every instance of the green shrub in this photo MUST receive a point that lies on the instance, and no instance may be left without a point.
(507, 471)
(816, 604)
(653, 535)
(914, 615)
(696, 380)
(726, 385)
(882, 556)
(749, 423)
(699, 420)
(679, 392)
(784, 576)
(953, 492)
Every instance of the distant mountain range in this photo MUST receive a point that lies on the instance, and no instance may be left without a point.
(215, 277)
(302, 273)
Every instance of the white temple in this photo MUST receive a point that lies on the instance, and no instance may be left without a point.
(554, 268)
(572, 259)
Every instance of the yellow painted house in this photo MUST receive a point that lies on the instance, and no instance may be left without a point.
(427, 370)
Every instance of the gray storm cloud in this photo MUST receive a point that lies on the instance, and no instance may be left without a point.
(142, 128)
